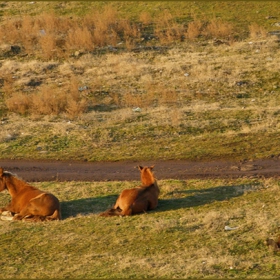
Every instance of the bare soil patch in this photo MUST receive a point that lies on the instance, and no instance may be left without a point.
(39, 171)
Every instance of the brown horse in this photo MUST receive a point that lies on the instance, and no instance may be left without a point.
(28, 202)
(139, 199)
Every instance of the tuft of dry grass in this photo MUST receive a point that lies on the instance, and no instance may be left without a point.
(194, 29)
(218, 29)
(49, 101)
(145, 18)
(257, 32)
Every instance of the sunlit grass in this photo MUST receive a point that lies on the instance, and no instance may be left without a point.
(184, 237)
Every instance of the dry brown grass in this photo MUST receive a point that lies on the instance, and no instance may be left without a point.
(8, 84)
(256, 31)
(145, 18)
(167, 30)
(179, 76)
(51, 37)
(49, 100)
(18, 103)
(48, 46)
(218, 29)
(194, 29)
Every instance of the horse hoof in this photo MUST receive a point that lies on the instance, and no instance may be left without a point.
(6, 218)
(6, 213)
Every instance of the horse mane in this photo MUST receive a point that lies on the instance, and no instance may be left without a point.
(8, 173)
(14, 178)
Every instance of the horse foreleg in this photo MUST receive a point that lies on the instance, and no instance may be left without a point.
(7, 213)
(26, 213)
(9, 208)
(6, 216)
(3, 209)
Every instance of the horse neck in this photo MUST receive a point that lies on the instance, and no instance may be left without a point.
(147, 178)
(14, 185)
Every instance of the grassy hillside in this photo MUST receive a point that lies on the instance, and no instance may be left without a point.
(140, 81)
(184, 237)
(143, 80)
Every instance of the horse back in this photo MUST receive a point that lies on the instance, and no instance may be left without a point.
(141, 197)
(151, 191)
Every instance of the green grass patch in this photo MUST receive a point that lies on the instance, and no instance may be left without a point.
(184, 237)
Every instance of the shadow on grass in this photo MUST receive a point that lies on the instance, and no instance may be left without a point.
(193, 198)
(86, 206)
(181, 199)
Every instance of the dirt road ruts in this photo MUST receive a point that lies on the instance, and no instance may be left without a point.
(34, 170)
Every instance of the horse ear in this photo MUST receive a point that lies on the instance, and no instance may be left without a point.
(140, 167)
(1, 171)
(152, 167)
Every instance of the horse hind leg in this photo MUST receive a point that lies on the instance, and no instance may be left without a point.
(34, 218)
(39, 208)
(29, 213)
(28, 218)
(38, 218)
(55, 216)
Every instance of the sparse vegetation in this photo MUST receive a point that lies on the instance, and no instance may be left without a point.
(170, 75)
(193, 95)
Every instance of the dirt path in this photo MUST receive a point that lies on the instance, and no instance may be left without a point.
(31, 170)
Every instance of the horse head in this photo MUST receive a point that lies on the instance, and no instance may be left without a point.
(3, 185)
(147, 176)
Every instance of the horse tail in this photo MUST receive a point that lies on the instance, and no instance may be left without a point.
(111, 212)
(55, 216)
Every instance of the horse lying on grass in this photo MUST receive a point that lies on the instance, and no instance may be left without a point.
(28, 202)
(137, 200)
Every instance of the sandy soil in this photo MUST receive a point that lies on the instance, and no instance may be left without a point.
(32, 171)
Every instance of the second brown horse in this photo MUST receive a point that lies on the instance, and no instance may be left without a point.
(137, 200)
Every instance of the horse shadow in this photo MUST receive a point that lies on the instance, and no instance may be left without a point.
(86, 206)
(192, 198)
(181, 199)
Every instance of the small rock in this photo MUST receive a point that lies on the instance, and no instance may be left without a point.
(15, 49)
(34, 83)
(136, 109)
(230, 228)
(83, 88)
(42, 32)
